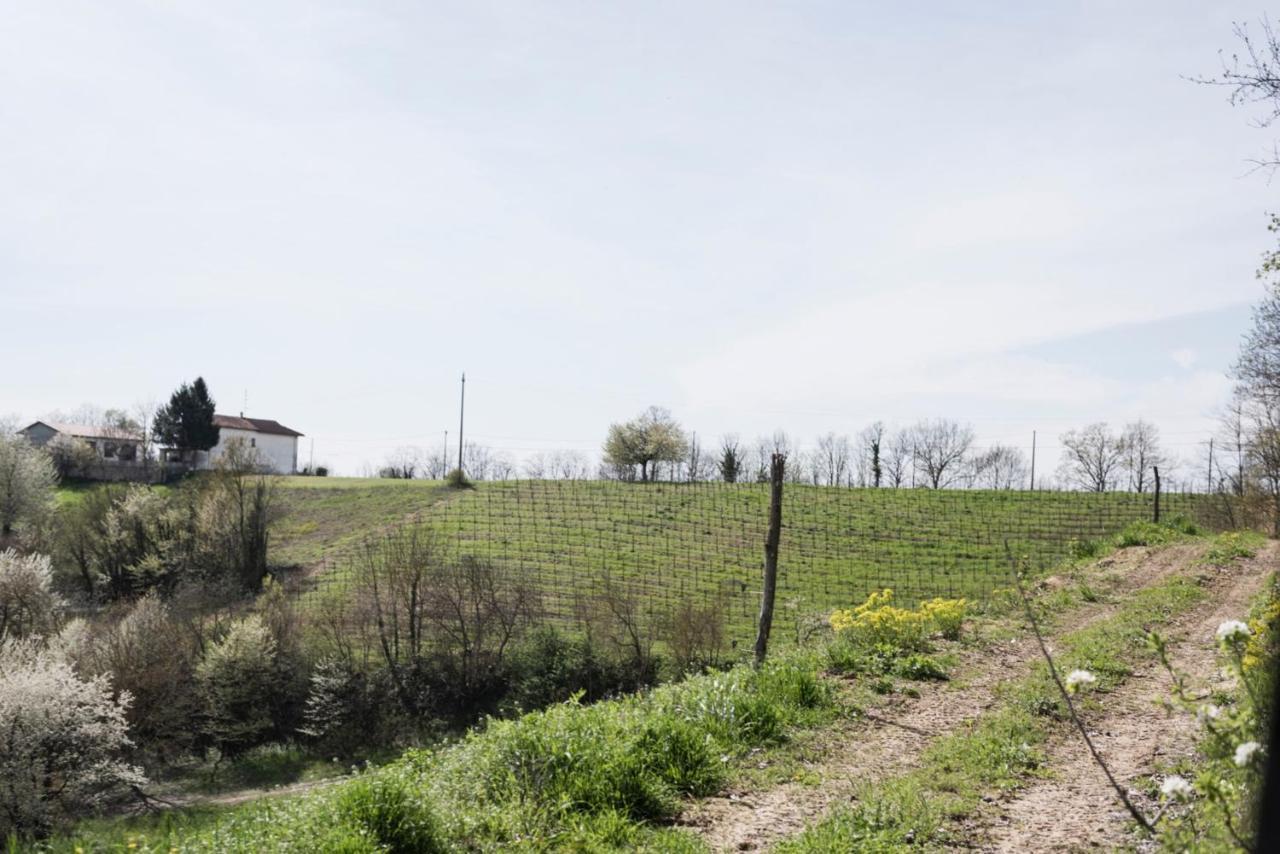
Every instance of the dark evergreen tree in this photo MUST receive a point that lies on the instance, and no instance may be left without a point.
(186, 421)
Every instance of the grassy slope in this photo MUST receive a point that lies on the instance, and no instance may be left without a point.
(702, 544)
(582, 778)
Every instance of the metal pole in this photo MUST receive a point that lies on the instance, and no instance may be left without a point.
(462, 409)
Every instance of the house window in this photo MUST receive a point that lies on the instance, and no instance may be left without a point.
(128, 453)
(109, 450)
(253, 442)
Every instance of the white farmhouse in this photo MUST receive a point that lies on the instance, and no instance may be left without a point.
(276, 444)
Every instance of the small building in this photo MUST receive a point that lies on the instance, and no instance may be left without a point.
(113, 446)
(276, 445)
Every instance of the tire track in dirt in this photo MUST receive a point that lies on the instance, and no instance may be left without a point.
(1076, 809)
(889, 741)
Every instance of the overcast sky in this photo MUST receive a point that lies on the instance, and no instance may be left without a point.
(801, 215)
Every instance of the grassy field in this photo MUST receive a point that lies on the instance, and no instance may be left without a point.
(702, 543)
(324, 514)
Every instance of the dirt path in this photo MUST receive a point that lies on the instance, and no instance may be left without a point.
(890, 741)
(1076, 809)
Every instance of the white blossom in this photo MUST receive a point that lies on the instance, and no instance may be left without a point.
(1176, 788)
(64, 736)
(1078, 679)
(1208, 712)
(1231, 631)
(1246, 752)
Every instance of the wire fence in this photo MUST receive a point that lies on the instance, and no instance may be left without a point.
(702, 544)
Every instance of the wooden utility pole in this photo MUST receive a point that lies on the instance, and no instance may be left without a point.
(462, 411)
(1210, 465)
(1033, 460)
(1156, 471)
(777, 468)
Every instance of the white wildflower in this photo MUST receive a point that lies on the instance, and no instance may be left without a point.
(1078, 679)
(1209, 712)
(1246, 751)
(1176, 788)
(1232, 631)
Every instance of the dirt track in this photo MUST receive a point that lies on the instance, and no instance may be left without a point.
(1075, 809)
(891, 740)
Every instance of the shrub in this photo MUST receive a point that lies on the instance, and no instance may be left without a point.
(237, 677)
(27, 479)
(390, 807)
(1082, 549)
(697, 635)
(879, 621)
(28, 604)
(63, 737)
(946, 616)
(148, 654)
(1152, 533)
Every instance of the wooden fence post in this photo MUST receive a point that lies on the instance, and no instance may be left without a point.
(1156, 471)
(777, 466)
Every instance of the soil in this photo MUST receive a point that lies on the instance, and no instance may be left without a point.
(1076, 809)
(890, 740)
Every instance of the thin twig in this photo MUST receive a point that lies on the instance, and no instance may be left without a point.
(1066, 695)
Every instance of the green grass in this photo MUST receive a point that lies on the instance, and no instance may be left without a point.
(569, 777)
(324, 514)
(672, 543)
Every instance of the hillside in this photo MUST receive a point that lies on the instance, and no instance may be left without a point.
(702, 543)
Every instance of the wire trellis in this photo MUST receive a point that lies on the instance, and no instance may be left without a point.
(702, 543)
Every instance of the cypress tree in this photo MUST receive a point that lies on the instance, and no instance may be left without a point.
(186, 421)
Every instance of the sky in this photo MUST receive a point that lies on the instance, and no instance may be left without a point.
(805, 216)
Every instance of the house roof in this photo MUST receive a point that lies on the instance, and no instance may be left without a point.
(253, 425)
(88, 431)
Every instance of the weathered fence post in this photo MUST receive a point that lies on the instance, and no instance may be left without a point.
(1156, 471)
(777, 466)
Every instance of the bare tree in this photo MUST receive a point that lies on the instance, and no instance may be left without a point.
(537, 466)
(871, 451)
(570, 465)
(1092, 458)
(436, 464)
(1140, 453)
(939, 450)
(479, 461)
(392, 577)
(476, 610)
(1000, 467)
(697, 465)
(501, 467)
(403, 463)
(831, 460)
(1233, 433)
(762, 453)
(898, 459)
(1253, 76)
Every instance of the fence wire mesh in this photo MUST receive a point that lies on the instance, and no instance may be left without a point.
(671, 544)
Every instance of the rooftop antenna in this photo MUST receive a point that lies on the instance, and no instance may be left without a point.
(244, 406)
